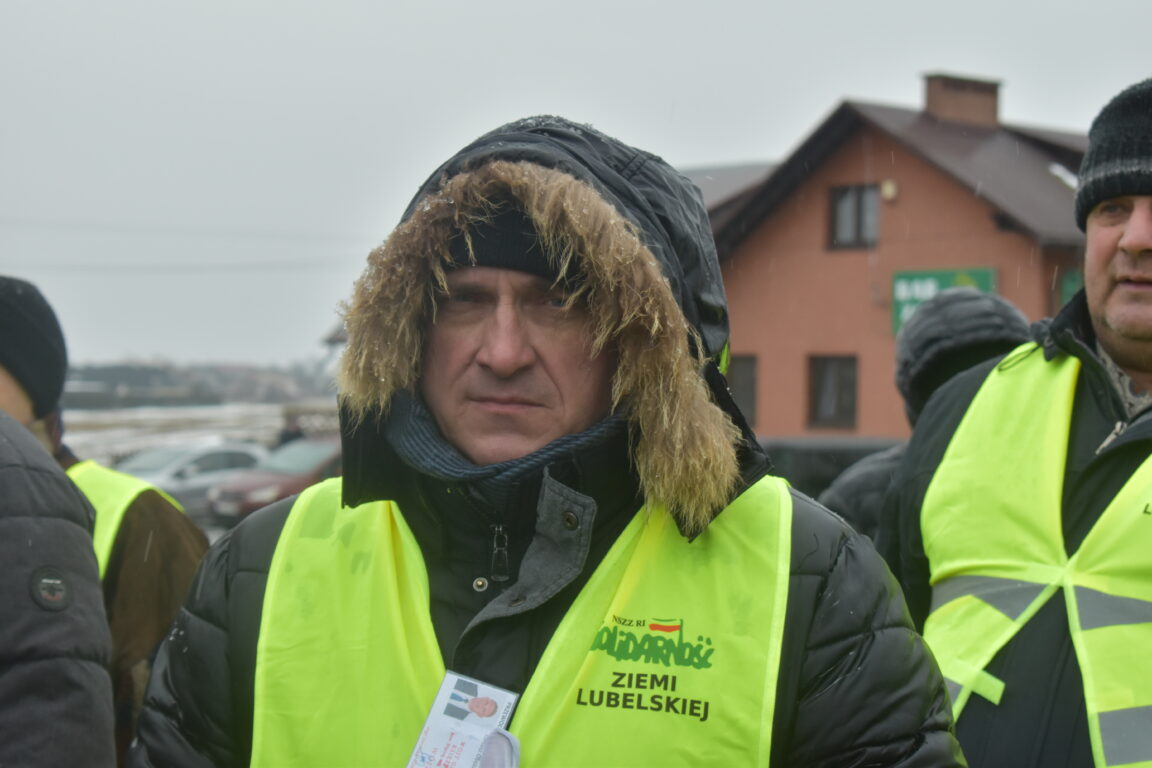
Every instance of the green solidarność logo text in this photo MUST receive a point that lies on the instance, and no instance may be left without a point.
(655, 647)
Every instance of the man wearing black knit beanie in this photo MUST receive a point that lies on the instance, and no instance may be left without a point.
(32, 352)
(1022, 514)
(55, 694)
(146, 549)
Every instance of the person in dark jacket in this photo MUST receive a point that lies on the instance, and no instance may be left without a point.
(147, 550)
(547, 490)
(55, 693)
(1019, 517)
(949, 333)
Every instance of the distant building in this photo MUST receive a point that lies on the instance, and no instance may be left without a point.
(130, 385)
(878, 209)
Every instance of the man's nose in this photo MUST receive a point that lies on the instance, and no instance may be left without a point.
(1137, 237)
(506, 344)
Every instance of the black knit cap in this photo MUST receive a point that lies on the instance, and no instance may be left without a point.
(507, 239)
(31, 344)
(1119, 157)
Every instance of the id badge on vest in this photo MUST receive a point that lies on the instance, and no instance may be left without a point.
(466, 727)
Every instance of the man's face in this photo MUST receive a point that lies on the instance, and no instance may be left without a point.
(508, 367)
(1118, 278)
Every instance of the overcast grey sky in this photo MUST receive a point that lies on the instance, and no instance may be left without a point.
(200, 181)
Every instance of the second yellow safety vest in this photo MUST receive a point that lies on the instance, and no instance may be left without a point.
(669, 655)
(110, 493)
(992, 529)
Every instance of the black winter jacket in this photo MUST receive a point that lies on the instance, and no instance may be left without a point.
(857, 494)
(55, 691)
(1041, 720)
(857, 685)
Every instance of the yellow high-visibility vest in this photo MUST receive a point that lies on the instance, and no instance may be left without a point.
(668, 656)
(110, 493)
(991, 523)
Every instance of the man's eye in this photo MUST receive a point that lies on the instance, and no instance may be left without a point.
(462, 297)
(556, 300)
(1111, 207)
(461, 304)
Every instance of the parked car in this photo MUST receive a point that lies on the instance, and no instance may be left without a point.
(286, 470)
(188, 472)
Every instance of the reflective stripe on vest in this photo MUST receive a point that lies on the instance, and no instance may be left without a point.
(991, 523)
(668, 656)
(110, 493)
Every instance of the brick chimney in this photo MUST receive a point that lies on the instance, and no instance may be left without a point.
(962, 99)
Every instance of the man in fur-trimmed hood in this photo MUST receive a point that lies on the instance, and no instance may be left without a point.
(542, 465)
(609, 220)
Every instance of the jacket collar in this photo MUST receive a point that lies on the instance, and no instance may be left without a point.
(598, 467)
(1069, 332)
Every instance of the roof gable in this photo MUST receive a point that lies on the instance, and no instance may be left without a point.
(727, 189)
(1023, 172)
(720, 183)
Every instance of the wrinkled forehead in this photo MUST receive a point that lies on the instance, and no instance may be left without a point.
(499, 280)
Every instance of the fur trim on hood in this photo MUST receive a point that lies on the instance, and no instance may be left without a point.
(686, 445)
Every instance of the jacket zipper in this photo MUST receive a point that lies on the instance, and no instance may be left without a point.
(500, 570)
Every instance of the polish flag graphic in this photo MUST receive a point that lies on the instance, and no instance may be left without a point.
(665, 625)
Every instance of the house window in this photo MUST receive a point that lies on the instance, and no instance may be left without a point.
(832, 391)
(742, 383)
(854, 216)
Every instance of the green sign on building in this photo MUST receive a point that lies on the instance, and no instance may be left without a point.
(911, 289)
(1072, 281)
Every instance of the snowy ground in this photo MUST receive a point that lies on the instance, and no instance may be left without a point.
(108, 435)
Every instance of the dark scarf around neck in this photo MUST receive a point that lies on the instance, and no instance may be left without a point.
(412, 433)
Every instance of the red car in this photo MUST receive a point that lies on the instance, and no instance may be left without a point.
(287, 470)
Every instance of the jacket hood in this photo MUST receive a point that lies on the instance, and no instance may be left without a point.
(635, 234)
(954, 330)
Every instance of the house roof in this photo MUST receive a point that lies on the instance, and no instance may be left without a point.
(1026, 173)
(719, 183)
(728, 188)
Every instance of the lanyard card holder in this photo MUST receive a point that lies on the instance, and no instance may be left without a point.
(466, 727)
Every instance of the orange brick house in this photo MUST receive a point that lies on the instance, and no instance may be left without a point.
(825, 254)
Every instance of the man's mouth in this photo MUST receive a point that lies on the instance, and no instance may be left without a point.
(503, 402)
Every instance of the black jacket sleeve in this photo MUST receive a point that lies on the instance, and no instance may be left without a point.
(857, 685)
(868, 691)
(857, 493)
(198, 708)
(55, 691)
